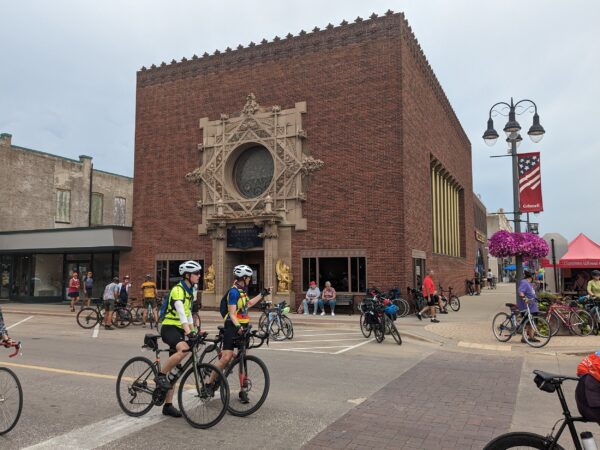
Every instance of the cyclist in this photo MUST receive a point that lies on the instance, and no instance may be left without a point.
(527, 296)
(4, 338)
(176, 326)
(149, 296)
(237, 317)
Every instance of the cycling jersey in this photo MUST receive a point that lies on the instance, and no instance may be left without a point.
(237, 297)
(179, 310)
(148, 288)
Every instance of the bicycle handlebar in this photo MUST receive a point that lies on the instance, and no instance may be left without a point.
(17, 346)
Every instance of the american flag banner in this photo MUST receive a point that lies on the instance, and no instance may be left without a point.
(530, 182)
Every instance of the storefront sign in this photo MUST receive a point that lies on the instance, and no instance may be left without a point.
(244, 238)
(480, 236)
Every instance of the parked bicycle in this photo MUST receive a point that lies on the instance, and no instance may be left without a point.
(247, 374)
(505, 326)
(577, 321)
(470, 287)
(11, 393)
(275, 322)
(203, 404)
(378, 317)
(592, 306)
(403, 306)
(546, 382)
(450, 299)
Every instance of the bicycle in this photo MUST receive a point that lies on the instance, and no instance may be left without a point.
(11, 393)
(546, 382)
(575, 320)
(275, 322)
(149, 310)
(402, 304)
(200, 405)
(248, 372)
(90, 316)
(452, 299)
(469, 287)
(377, 318)
(592, 306)
(505, 326)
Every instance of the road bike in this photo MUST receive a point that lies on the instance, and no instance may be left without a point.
(546, 382)
(450, 299)
(577, 321)
(505, 326)
(89, 316)
(245, 373)
(203, 404)
(275, 322)
(377, 318)
(11, 393)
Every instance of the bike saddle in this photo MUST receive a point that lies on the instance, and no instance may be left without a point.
(547, 376)
(510, 305)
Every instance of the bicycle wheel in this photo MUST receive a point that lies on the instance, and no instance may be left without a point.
(365, 328)
(263, 323)
(541, 331)
(11, 400)
(201, 404)
(393, 330)
(88, 317)
(135, 386)
(554, 323)
(288, 327)
(454, 303)
(503, 327)
(276, 330)
(403, 307)
(121, 317)
(137, 315)
(520, 440)
(248, 391)
(379, 330)
(581, 323)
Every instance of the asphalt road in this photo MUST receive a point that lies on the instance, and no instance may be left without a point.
(68, 377)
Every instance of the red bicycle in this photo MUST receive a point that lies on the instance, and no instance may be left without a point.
(576, 320)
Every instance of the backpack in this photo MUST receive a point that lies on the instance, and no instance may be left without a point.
(223, 306)
(166, 303)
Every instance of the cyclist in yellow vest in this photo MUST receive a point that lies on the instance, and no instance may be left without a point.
(149, 295)
(176, 326)
(237, 317)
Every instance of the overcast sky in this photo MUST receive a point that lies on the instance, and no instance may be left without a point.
(68, 71)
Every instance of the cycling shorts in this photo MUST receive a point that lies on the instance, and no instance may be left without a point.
(432, 300)
(149, 301)
(230, 336)
(172, 335)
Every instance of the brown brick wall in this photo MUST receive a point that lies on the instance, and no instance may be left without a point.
(350, 78)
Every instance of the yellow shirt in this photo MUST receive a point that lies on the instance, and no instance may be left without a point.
(594, 287)
(148, 288)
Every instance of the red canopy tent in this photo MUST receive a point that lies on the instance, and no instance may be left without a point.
(583, 253)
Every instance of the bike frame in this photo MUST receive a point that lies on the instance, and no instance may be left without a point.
(520, 325)
(568, 421)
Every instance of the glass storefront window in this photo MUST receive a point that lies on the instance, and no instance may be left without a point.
(5, 275)
(47, 278)
(102, 273)
(22, 285)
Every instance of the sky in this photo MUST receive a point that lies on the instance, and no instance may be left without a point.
(68, 72)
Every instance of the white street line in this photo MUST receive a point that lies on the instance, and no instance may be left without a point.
(354, 346)
(328, 334)
(20, 322)
(96, 330)
(293, 341)
(307, 348)
(103, 432)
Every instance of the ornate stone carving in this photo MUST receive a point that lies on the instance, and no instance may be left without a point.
(284, 276)
(310, 165)
(251, 105)
(209, 279)
(275, 109)
(201, 147)
(199, 204)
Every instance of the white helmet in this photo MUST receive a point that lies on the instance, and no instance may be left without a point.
(189, 267)
(242, 271)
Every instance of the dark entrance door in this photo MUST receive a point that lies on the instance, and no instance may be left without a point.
(418, 272)
(255, 283)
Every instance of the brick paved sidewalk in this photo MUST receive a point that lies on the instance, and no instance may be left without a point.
(474, 403)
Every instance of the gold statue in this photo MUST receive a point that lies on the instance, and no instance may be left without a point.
(209, 279)
(284, 276)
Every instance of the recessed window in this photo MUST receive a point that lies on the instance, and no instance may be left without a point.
(97, 208)
(253, 171)
(63, 206)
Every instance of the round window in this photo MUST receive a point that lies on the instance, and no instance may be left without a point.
(253, 171)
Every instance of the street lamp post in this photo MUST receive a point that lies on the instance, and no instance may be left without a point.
(536, 133)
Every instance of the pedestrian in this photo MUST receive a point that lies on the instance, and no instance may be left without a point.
(430, 295)
(312, 298)
(328, 298)
(110, 294)
(124, 291)
(73, 289)
(88, 284)
(490, 278)
(527, 297)
(477, 280)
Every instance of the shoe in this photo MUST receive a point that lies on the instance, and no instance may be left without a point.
(434, 320)
(162, 382)
(170, 410)
(534, 340)
(419, 316)
(444, 312)
(323, 313)
(243, 396)
(144, 326)
(306, 314)
(108, 327)
(523, 341)
(332, 313)
(314, 314)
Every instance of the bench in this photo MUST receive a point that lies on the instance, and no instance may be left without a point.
(341, 300)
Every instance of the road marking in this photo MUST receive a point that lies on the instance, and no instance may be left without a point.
(317, 340)
(96, 330)
(502, 348)
(328, 334)
(62, 371)
(357, 401)
(19, 322)
(354, 346)
(305, 348)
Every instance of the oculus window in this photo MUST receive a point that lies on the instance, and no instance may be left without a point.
(253, 171)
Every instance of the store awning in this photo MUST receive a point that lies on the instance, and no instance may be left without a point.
(583, 253)
(62, 240)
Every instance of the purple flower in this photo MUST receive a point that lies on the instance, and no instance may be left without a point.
(504, 244)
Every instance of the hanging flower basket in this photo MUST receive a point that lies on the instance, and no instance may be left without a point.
(504, 244)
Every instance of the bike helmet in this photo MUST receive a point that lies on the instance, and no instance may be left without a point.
(147, 276)
(189, 267)
(596, 273)
(528, 274)
(242, 271)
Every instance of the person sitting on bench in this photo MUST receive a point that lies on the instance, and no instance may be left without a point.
(328, 298)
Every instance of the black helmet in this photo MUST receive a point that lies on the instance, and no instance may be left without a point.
(527, 273)
(596, 273)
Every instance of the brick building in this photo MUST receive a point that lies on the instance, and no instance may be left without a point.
(330, 155)
(58, 215)
(481, 264)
